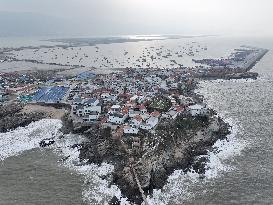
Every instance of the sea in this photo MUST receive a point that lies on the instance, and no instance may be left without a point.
(239, 172)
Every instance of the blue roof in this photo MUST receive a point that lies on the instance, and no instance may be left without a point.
(77, 100)
(90, 101)
(85, 75)
(50, 94)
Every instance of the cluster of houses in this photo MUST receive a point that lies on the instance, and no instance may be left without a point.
(126, 101)
(132, 100)
(15, 84)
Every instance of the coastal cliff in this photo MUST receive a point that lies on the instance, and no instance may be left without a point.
(15, 115)
(145, 160)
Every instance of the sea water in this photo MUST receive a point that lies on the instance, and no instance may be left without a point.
(240, 173)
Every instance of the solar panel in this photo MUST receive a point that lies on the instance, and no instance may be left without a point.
(50, 95)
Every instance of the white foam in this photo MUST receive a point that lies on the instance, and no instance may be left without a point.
(178, 188)
(26, 138)
(180, 184)
(95, 189)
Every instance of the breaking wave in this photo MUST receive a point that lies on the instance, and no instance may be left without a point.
(96, 191)
(180, 184)
(96, 188)
(14, 142)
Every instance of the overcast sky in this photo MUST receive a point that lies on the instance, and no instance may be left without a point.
(112, 17)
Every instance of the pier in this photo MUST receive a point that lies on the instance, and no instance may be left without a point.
(252, 61)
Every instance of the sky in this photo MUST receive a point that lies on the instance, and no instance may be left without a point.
(131, 17)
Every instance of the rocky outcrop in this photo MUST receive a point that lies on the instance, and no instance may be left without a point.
(244, 75)
(176, 144)
(10, 109)
(15, 120)
(47, 142)
(12, 117)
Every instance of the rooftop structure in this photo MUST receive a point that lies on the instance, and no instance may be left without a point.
(50, 94)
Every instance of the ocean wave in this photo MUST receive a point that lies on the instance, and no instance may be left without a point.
(26, 138)
(96, 191)
(180, 184)
(181, 187)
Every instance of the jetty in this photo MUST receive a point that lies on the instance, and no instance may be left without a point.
(251, 60)
(236, 66)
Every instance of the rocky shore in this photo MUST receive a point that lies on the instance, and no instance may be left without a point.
(144, 161)
(15, 115)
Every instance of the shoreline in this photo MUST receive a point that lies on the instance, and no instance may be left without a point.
(81, 172)
(100, 148)
(15, 115)
(160, 178)
(144, 160)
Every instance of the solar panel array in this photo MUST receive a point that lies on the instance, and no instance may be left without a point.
(50, 94)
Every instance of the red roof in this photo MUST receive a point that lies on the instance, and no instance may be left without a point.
(103, 120)
(179, 108)
(125, 110)
(155, 114)
(138, 118)
(142, 107)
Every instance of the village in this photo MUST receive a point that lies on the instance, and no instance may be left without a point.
(146, 122)
(127, 101)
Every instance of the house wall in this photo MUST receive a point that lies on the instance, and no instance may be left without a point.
(198, 112)
(145, 127)
(92, 109)
(80, 112)
(130, 130)
(116, 120)
(152, 121)
(136, 123)
(93, 117)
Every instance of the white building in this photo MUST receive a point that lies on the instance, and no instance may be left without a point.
(76, 104)
(110, 98)
(185, 100)
(133, 113)
(130, 130)
(115, 109)
(89, 109)
(198, 109)
(93, 116)
(79, 111)
(150, 123)
(117, 118)
(105, 95)
(136, 121)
